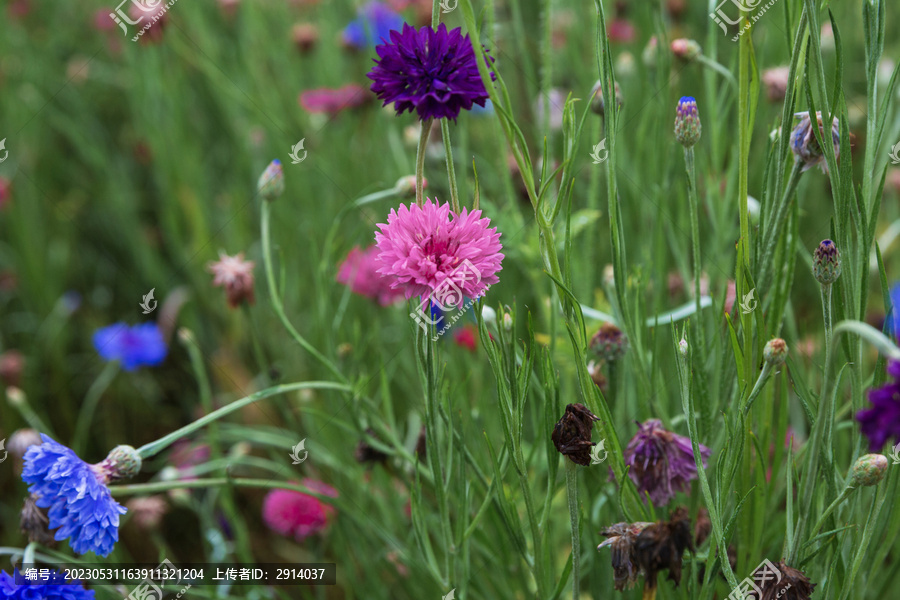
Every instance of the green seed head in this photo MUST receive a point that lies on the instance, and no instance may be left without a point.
(868, 470)
(775, 352)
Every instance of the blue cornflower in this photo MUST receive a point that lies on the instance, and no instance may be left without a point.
(894, 311)
(137, 346)
(372, 25)
(81, 506)
(55, 586)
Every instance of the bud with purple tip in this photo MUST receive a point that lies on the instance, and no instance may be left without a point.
(687, 122)
(827, 263)
(271, 182)
(868, 470)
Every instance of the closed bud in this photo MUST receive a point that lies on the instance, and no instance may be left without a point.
(406, 186)
(683, 347)
(827, 263)
(123, 462)
(685, 49)
(598, 106)
(868, 470)
(271, 182)
(609, 343)
(775, 352)
(687, 122)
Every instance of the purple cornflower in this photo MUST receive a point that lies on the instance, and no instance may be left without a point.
(687, 122)
(661, 462)
(374, 23)
(54, 587)
(806, 147)
(137, 346)
(882, 421)
(432, 72)
(81, 506)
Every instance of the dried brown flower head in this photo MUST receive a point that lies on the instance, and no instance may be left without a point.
(366, 453)
(784, 583)
(572, 434)
(33, 522)
(661, 545)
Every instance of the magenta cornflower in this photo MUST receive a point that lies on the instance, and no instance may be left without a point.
(661, 462)
(359, 272)
(292, 513)
(434, 73)
(428, 249)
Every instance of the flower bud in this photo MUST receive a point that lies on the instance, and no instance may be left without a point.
(123, 462)
(489, 315)
(685, 49)
(826, 263)
(648, 55)
(609, 343)
(507, 322)
(868, 470)
(806, 147)
(775, 352)
(683, 347)
(687, 122)
(271, 182)
(598, 106)
(305, 36)
(406, 186)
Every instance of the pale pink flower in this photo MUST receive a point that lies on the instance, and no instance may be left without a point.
(428, 249)
(333, 101)
(294, 513)
(359, 272)
(236, 275)
(776, 82)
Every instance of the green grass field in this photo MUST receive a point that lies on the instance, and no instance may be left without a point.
(131, 165)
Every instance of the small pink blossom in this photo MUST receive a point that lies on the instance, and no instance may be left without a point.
(428, 249)
(466, 338)
(292, 513)
(359, 272)
(334, 101)
(236, 275)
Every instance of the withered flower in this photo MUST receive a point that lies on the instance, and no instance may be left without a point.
(647, 548)
(786, 583)
(33, 522)
(661, 545)
(702, 528)
(421, 444)
(572, 434)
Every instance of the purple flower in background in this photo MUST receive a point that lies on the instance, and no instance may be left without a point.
(137, 346)
(882, 421)
(16, 587)
(433, 73)
(661, 462)
(81, 506)
(374, 23)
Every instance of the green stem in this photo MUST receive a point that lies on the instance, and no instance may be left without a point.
(420, 161)
(91, 400)
(153, 448)
(713, 65)
(572, 495)
(451, 171)
(844, 495)
(774, 225)
(757, 388)
(144, 489)
(688, 407)
(28, 556)
(276, 298)
(18, 400)
(695, 234)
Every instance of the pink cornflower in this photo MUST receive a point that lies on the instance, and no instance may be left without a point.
(298, 514)
(333, 101)
(359, 272)
(236, 275)
(428, 249)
